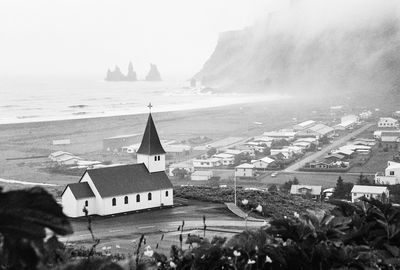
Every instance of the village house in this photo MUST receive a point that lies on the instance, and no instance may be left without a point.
(206, 163)
(391, 176)
(233, 152)
(281, 134)
(55, 156)
(225, 159)
(244, 170)
(68, 160)
(123, 188)
(303, 145)
(390, 139)
(246, 149)
(376, 192)
(287, 153)
(388, 122)
(365, 115)
(304, 125)
(334, 158)
(201, 175)
(115, 143)
(306, 190)
(263, 163)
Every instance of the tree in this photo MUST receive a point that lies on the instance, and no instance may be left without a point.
(288, 185)
(363, 180)
(212, 151)
(180, 173)
(242, 157)
(25, 215)
(279, 144)
(272, 188)
(342, 189)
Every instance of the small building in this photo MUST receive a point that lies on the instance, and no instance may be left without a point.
(388, 122)
(304, 125)
(68, 160)
(306, 190)
(334, 157)
(233, 152)
(201, 175)
(370, 192)
(281, 134)
(287, 153)
(115, 144)
(61, 142)
(391, 176)
(225, 159)
(390, 139)
(365, 115)
(322, 130)
(206, 163)
(302, 145)
(244, 170)
(263, 163)
(246, 149)
(59, 154)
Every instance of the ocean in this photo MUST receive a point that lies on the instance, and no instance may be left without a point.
(35, 99)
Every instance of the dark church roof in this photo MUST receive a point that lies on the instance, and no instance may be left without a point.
(81, 190)
(127, 179)
(151, 144)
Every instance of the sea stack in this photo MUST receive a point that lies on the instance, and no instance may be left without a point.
(131, 76)
(115, 75)
(154, 74)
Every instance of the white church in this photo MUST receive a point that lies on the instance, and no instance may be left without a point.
(123, 188)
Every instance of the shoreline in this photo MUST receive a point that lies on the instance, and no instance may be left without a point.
(164, 108)
(145, 112)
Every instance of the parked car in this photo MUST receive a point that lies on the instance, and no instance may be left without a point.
(274, 174)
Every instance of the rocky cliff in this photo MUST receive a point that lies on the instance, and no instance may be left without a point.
(154, 74)
(320, 46)
(116, 75)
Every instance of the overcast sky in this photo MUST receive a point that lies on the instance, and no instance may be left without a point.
(88, 36)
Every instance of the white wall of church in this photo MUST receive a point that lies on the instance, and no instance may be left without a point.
(69, 203)
(73, 207)
(154, 163)
(158, 198)
(98, 201)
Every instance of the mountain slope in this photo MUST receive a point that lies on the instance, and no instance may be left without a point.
(341, 46)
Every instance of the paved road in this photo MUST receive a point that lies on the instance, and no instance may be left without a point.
(159, 221)
(326, 150)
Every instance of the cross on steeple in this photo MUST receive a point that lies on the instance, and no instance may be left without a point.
(150, 106)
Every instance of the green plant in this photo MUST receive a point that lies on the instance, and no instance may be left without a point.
(24, 217)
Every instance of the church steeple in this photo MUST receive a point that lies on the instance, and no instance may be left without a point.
(151, 144)
(151, 152)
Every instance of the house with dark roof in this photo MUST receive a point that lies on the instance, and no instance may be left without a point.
(123, 188)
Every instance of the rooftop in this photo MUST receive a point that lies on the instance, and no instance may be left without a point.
(151, 144)
(80, 190)
(314, 190)
(127, 179)
(369, 189)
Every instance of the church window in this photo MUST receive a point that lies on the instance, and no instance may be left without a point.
(86, 203)
(138, 198)
(155, 158)
(159, 157)
(166, 193)
(149, 196)
(126, 199)
(114, 202)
